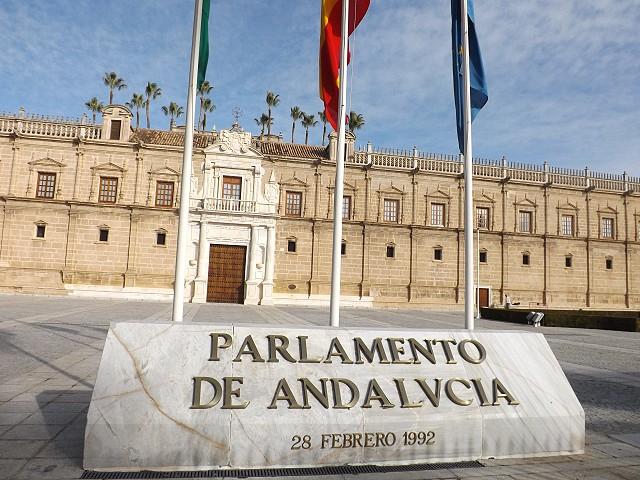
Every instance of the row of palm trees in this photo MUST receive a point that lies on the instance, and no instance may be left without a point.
(265, 120)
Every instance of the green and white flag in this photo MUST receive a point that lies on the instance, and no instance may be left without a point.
(203, 53)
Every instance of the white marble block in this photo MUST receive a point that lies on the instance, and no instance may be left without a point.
(423, 396)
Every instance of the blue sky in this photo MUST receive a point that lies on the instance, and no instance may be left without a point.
(564, 76)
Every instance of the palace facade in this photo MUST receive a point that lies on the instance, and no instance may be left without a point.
(92, 209)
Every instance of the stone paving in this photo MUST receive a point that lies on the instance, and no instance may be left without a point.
(50, 348)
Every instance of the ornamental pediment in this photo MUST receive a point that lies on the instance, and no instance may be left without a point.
(525, 202)
(567, 206)
(164, 171)
(294, 182)
(46, 162)
(235, 142)
(438, 192)
(482, 197)
(347, 186)
(108, 167)
(607, 209)
(392, 189)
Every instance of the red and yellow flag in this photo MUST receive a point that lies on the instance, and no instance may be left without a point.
(330, 30)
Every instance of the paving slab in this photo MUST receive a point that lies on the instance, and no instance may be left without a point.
(630, 438)
(618, 449)
(17, 449)
(50, 469)
(32, 432)
(10, 467)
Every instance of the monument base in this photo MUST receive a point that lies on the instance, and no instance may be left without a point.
(196, 396)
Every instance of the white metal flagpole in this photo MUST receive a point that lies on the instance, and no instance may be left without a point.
(468, 176)
(184, 231)
(478, 274)
(336, 264)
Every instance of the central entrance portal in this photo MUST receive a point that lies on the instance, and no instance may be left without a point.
(226, 273)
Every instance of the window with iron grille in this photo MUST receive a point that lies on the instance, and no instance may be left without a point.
(607, 227)
(391, 208)
(46, 185)
(526, 259)
(161, 238)
(343, 248)
(437, 253)
(483, 256)
(437, 214)
(391, 251)
(104, 235)
(40, 230)
(525, 221)
(291, 245)
(568, 261)
(482, 217)
(293, 207)
(164, 194)
(108, 189)
(567, 225)
(346, 208)
(609, 263)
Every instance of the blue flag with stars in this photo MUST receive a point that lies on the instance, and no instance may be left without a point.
(479, 92)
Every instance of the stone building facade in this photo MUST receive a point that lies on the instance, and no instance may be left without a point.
(92, 210)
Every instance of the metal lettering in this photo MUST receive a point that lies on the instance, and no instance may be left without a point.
(376, 347)
(375, 392)
(465, 355)
(500, 391)
(229, 393)
(402, 393)
(249, 347)
(197, 390)
(396, 350)
(281, 349)
(213, 356)
(286, 395)
(448, 388)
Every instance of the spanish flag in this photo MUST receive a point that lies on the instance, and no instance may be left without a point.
(330, 31)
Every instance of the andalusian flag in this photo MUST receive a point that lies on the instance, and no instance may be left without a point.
(330, 32)
(479, 93)
(203, 55)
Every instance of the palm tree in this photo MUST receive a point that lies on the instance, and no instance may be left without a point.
(308, 121)
(173, 111)
(273, 100)
(296, 114)
(95, 106)
(113, 81)
(323, 119)
(263, 122)
(207, 106)
(356, 121)
(202, 92)
(152, 91)
(137, 101)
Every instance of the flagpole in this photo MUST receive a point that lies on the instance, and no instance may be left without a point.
(184, 232)
(468, 176)
(336, 264)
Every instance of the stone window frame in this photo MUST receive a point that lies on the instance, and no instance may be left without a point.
(42, 176)
(108, 169)
(343, 248)
(486, 256)
(391, 193)
(349, 191)
(395, 218)
(104, 182)
(295, 245)
(300, 205)
(394, 251)
(568, 258)
(172, 202)
(482, 200)
(437, 197)
(293, 184)
(45, 165)
(526, 254)
(608, 265)
(438, 248)
(525, 216)
(161, 231)
(102, 228)
(571, 210)
(37, 225)
(608, 213)
(164, 174)
(525, 205)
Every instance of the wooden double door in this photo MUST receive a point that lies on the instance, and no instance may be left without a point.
(226, 273)
(483, 297)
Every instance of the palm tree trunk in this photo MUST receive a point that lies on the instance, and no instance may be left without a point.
(324, 132)
(200, 115)
(146, 107)
(110, 96)
(94, 116)
(204, 122)
(269, 124)
(137, 118)
(293, 130)
(306, 137)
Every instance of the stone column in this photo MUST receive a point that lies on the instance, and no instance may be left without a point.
(252, 296)
(269, 267)
(202, 274)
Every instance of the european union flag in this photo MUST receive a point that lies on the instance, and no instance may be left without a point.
(479, 93)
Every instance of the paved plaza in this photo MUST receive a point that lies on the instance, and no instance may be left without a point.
(50, 348)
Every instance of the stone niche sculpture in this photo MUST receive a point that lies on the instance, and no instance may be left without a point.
(203, 396)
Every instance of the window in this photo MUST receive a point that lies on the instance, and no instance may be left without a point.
(164, 194)
(437, 214)
(607, 228)
(391, 251)
(526, 260)
(343, 248)
(437, 253)
(567, 225)
(291, 245)
(108, 189)
(293, 206)
(482, 217)
(46, 185)
(483, 256)
(525, 221)
(104, 235)
(116, 126)
(391, 208)
(231, 187)
(40, 230)
(609, 263)
(568, 261)
(161, 238)
(346, 208)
